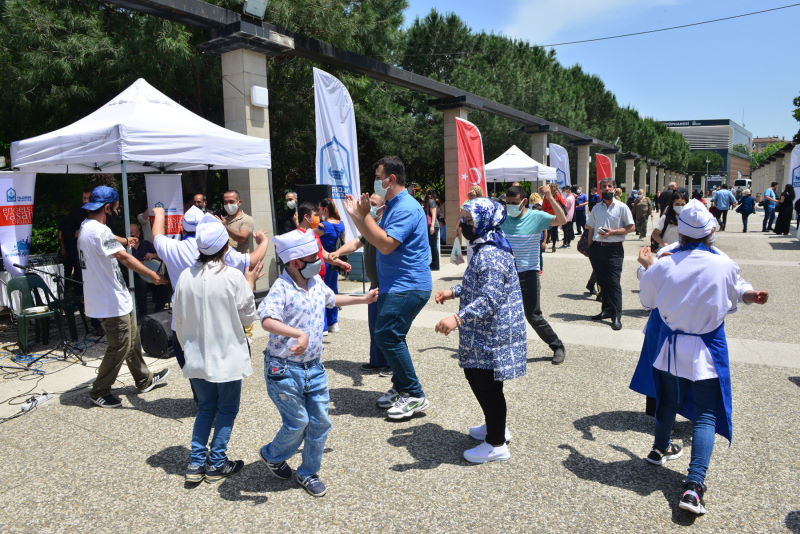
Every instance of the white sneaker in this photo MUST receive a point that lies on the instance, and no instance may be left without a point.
(479, 433)
(487, 453)
(388, 399)
(333, 327)
(324, 332)
(405, 407)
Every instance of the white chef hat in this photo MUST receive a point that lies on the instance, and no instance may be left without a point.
(695, 221)
(295, 244)
(191, 218)
(211, 235)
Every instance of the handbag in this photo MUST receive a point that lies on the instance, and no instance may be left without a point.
(456, 256)
(583, 244)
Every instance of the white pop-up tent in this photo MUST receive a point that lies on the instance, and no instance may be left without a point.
(139, 130)
(516, 166)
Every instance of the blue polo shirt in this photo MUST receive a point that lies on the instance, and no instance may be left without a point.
(408, 267)
(581, 199)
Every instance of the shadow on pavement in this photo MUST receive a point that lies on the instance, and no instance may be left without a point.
(570, 317)
(451, 278)
(446, 349)
(349, 369)
(431, 446)
(253, 483)
(791, 245)
(625, 421)
(638, 312)
(795, 380)
(356, 402)
(571, 296)
(166, 407)
(633, 474)
(792, 521)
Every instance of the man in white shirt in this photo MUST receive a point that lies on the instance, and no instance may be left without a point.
(608, 224)
(106, 298)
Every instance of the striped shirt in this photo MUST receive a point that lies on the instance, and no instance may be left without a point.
(524, 234)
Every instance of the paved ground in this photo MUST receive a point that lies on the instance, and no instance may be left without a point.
(579, 434)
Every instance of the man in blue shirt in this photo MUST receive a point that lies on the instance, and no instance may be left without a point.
(404, 279)
(581, 201)
(594, 199)
(770, 201)
(723, 199)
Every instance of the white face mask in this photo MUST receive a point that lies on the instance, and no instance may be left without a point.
(311, 269)
(379, 189)
(678, 209)
(375, 212)
(291, 204)
(513, 210)
(231, 209)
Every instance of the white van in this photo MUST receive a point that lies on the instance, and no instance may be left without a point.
(742, 183)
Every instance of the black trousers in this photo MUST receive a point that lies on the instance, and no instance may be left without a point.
(553, 234)
(569, 233)
(489, 393)
(607, 266)
(530, 285)
(723, 218)
(580, 220)
(433, 242)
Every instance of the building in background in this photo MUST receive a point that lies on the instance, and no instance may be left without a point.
(723, 136)
(760, 143)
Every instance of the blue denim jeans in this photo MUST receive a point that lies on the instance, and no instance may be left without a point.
(769, 217)
(376, 358)
(220, 400)
(396, 312)
(332, 281)
(300, 392)
(707, 397)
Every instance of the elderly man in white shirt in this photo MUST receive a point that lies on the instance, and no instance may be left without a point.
(684, 360)
(213, 303)
(609, 222)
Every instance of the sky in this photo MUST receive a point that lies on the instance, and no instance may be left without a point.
(739, 69)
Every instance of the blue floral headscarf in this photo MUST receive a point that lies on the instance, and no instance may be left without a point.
(488, 215)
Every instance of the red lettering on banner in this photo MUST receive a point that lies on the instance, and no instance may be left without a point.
(173, 224)
(16, 215)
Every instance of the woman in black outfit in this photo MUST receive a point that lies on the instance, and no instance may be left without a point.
(785, 208)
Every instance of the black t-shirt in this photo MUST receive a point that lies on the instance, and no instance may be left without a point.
(286, 222)
(69, 227)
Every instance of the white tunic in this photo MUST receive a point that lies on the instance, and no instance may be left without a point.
(212, 304)
(693, 291)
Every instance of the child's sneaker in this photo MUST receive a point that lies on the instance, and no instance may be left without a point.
(280, 469)
(405, 407)
(388, 399)
(479, 433)
(660, 458)
(226, 469)
(313, 485)
(487, 453)
(195, 473)
(692, 499)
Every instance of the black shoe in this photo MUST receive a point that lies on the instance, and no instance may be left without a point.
(386, 371)
(279, 469)
(157, 378)
(591, 290)
(195, 473)
(616, 324)
(558, 356)
(660, 458)
(228, 468)
(108, 401)
(692, 499)
(601, 316)
(370, 368)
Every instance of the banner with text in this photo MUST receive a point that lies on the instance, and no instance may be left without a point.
(794, 176)
(16, 218)
(337, 146)
(471, 170)
(165, 191)
(560, 160)
(603, 165)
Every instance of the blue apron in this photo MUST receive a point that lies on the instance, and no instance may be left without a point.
(645, 378)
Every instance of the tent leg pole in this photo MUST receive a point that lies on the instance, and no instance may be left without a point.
(127, 215)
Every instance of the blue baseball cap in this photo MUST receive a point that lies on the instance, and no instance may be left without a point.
(101, 195)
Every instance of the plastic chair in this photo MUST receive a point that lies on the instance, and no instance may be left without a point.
(27, 286)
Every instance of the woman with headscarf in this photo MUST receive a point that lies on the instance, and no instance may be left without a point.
(747, 206)
(491, 323)
(785, 207)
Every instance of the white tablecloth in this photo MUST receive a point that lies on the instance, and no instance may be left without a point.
(5, 276)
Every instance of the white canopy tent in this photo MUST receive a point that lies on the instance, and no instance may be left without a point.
(516, 166)
(139, 130)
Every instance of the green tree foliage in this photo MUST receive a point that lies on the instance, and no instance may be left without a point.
(759, 157)
(796, 115)
(697, 162)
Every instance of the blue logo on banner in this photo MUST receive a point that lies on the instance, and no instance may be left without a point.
(561, 178)
(334, 168)
(24, 247)
(796, 176)
(11, 195)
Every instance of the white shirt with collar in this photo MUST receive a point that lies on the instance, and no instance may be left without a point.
(617, 215)
(213, 303)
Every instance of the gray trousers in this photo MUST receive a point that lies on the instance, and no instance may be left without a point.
(124, 345)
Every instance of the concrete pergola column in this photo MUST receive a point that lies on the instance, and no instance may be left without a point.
(452, 207)
(703, 184)
(630, 170)
(653, 176)
(582, 167)
(660, 178)
(689, 182)
(642, 183)
(241, 70)
(539, 147)
(780, 173)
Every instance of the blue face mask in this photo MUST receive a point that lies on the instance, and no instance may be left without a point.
(373, 211)
(379, 189)
(513, 210)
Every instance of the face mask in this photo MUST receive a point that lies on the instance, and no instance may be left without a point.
(231, 209)
(608, 195)
(580, 192)
(311, 269)
(314, 221)
(468, 232)
(291, 204)
(513, 210)
(677, 209)
(379, 189)
(373, 211)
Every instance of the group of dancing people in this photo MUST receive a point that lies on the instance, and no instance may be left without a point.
(683, 363)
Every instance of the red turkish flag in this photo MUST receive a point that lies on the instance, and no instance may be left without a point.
(470, 159)
(603, 164)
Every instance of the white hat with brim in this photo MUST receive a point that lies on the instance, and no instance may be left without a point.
(211, 235)
(695, 221)
(192, 218)
(295, 244)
